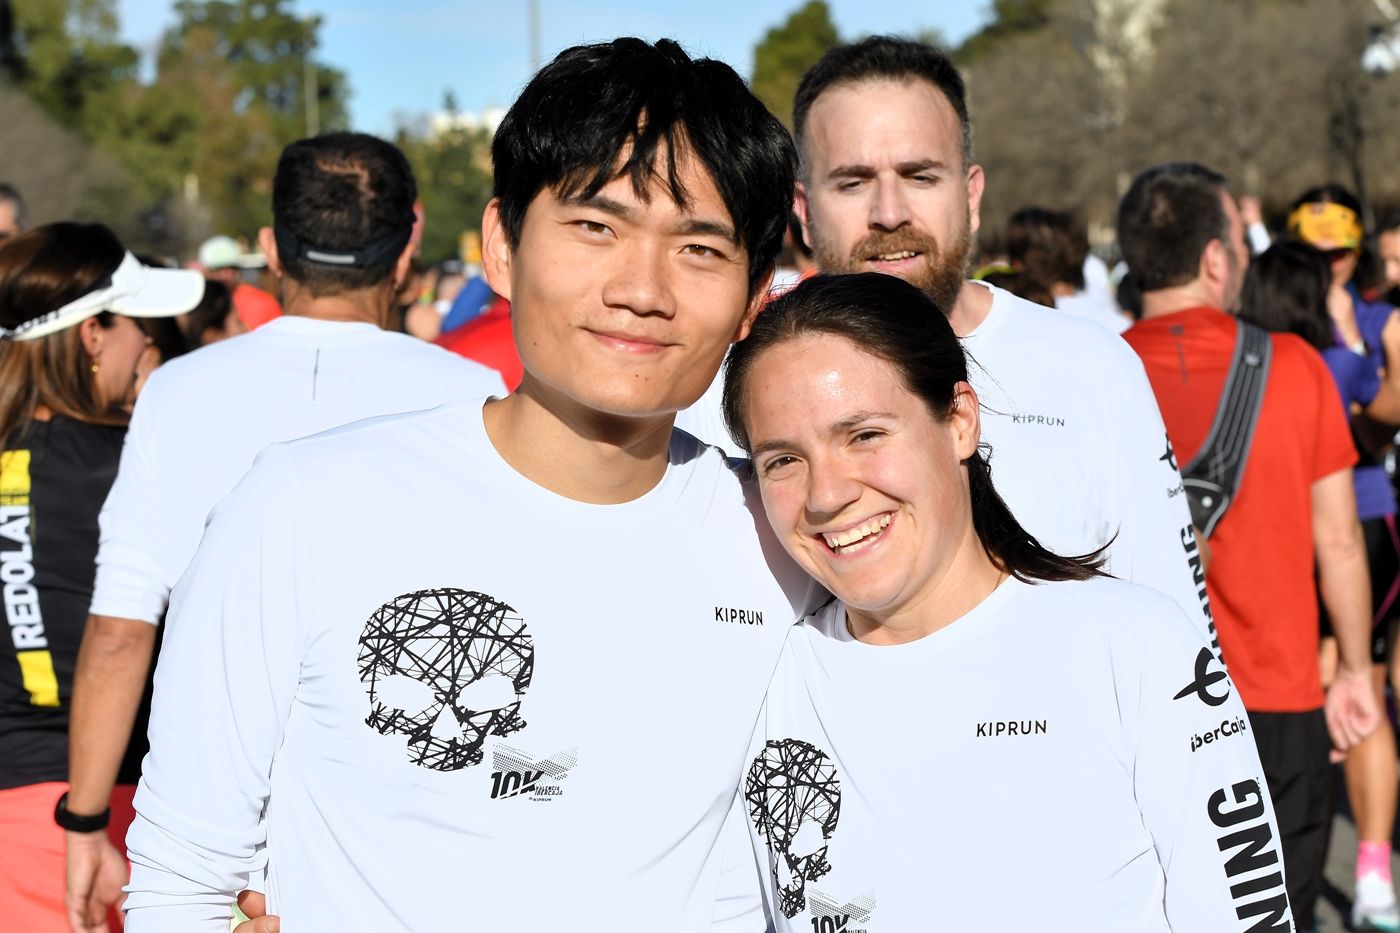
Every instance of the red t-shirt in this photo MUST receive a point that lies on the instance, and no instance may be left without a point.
(1262, 590)
(488, 339)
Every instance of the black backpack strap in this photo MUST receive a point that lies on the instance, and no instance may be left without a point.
(1213, 475)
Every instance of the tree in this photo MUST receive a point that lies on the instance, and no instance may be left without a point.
(453, 169)
(1009, 19)
(785, 54)
(65, 55)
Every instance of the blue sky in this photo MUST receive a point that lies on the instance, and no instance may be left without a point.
(401, 56)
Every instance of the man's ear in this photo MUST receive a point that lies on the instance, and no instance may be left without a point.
(755, 305)
(803, 209)
(496, 251)
(268, 244)
(1215, 263)
(402, 265)
(976, 183)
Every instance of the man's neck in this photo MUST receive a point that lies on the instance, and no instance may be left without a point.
(363, 307)
(971, 309)
(1166, 301)
(578, 453)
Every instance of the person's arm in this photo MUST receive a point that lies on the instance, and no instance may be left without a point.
(1199, 785)
(114, 660)
(113, 663)
(1345, 587)
(224, 687)
(1375, 426)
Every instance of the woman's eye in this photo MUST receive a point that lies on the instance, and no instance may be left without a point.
(866, 436)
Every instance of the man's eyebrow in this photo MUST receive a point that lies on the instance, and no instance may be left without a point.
(605, 205)
(701, 226)
(910, 167)
(914, 166)
(851, 171)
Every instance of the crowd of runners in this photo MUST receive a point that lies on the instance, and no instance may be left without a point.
(310, 616)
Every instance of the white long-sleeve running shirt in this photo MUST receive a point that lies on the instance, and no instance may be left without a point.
(203, 417)
(466, 702)
(1079, 451)
(1066, 756)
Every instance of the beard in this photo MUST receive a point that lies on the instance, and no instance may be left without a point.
(940, 275)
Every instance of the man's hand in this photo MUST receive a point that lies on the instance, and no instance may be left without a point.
(254, 907)
(1250, 210)
(96, 873)
(1351, 711)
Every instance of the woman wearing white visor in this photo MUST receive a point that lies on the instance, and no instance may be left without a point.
(68, 357)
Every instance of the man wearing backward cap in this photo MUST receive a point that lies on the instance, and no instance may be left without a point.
(343, 215)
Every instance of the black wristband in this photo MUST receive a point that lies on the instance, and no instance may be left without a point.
(79, 824)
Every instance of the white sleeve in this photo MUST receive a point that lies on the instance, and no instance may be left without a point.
(739, 901)
(134, 525)
(1155, 545)
(225, 683)
(1259, 239)
(1201, 789)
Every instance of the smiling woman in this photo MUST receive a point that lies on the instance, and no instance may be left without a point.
(1081, 769)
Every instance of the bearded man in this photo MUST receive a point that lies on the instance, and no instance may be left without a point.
(887, 183)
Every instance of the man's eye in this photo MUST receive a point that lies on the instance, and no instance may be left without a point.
(699, 249)
(776, 464)
(592, 226)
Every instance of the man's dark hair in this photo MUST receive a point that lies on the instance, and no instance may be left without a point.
(1165, 221)
(9, 193)
(342, 192)
(1285, 291)
(1048, 246)
(882, 58)
(610, 110)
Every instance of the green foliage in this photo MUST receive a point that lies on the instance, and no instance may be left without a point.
(202, 139)
(66, 56)
(787, 51)
(1009, 19)
(453, 170)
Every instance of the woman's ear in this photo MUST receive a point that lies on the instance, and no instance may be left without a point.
(965, 419)
(90, 333)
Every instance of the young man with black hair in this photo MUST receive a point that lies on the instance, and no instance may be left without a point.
(887, 183)
(496, 666)
(1183, 240)
(343, 211)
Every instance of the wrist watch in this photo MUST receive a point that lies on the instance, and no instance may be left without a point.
(77, 823)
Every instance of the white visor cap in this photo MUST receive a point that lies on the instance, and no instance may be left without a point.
(133, 290)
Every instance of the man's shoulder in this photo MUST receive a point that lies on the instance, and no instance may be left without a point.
(1046, 330)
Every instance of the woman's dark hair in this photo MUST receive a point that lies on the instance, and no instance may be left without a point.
(1285, 290)
(210, 314)
(1328, 194)
(896, 322)
(1047, 246)
(41, 271)
(629, 108)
